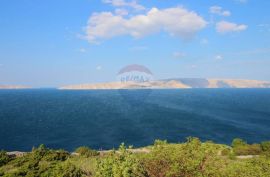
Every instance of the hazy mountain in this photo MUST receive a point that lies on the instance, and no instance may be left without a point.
(176, 83)
(13, 87)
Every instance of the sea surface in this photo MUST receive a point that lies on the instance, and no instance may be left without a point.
(102, 119)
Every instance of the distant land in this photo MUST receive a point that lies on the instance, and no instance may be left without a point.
(176, 83)
(13, 87)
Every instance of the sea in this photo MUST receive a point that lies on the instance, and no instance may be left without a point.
(103, 119)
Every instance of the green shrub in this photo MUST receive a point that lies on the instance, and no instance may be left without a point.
(67, 170)
(225, 151)
(240, 147)
(86, 151)
(59, 155)
(238, 142)
(265, 146)
(121, 164)
(253, 149)
(4, 158)
(192, 158)
(160, 142)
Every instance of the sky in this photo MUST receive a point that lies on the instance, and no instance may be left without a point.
(55, 43)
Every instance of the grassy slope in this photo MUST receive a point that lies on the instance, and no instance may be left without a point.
(189, 159)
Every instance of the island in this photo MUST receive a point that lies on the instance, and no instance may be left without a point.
(175, 83)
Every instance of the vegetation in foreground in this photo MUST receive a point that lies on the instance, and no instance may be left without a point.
(190, 159)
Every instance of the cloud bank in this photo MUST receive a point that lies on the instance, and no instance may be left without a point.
(226, 27)
(176, 21)
(219, 11)
(122, 3)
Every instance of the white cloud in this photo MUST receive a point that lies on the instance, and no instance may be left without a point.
(122, 3)
(226, 27)
(204, 41)
(176, 21)
(219, 11)
(264, 27)
(257, 51)
(82, 50)
(98, 67)
(242, 1)
(179, 54)
(121, 12)
(193, 66)
(138, 48)
(218, 57)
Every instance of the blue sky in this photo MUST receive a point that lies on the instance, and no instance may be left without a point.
(54, 43)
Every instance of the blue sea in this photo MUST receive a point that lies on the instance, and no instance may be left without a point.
(102, 119)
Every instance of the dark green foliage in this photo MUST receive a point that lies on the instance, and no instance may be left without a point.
(40, 162)
(86, 151)
(190, 159)
(121, 164)
(67, 170)
(240, 147)
(4, 158)
(225, 151)
(160, 142)
(253, 149)
(256, 167)
(238, 142)
(265, 146)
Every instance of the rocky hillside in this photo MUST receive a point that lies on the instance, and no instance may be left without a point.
(12, 87)
(175, 84)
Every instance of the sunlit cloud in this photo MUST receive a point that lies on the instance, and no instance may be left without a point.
(82, 50)
(98, 68)
(121, 12)
(226, 27)
(179, 54)
(218, 57)
(193, 66)
(138, 48)
(242, 1)
(122, 3)
(176, 21)
(204, 41)
(219, 11)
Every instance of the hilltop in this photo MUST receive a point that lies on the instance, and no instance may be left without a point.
(176, 83)
(13, 87)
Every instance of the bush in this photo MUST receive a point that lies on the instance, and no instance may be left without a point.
(265, 146)
(121, 164)
(225, 151)
(59, 155)
(192, 158)
(160, 142)
(4, 158)
(240, 147)
(238, 142)
(86, 151)
(67, 170)
(253, 149)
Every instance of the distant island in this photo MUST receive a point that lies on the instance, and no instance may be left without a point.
(13, 87)
(176, 83)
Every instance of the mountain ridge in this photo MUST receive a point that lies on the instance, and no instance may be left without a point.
(175, 83)
(13, 87)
